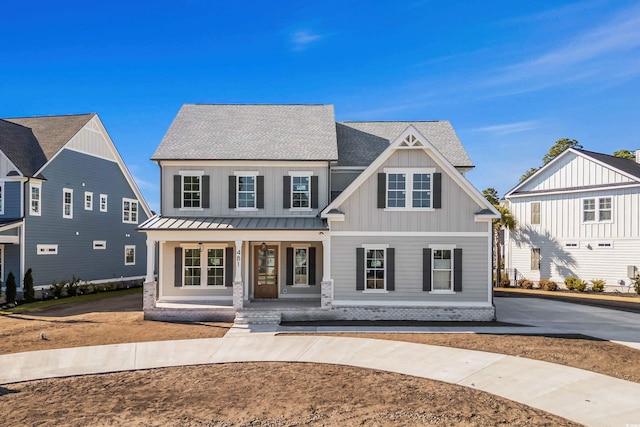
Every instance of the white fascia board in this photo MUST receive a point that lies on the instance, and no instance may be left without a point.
(573, 190)
(482, 234)
(233, 235)
(485, 217)
(243, 163)
(12, 226)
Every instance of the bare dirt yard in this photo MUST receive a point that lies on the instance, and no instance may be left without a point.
(264, 394)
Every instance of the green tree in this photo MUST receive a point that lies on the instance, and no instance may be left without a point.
(558, 148)
(11, 288)
(625, 154)
(491, 194)
(29, 292)
(528, 173)
(506, 221)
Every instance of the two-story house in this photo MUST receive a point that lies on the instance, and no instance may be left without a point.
(579, 215)
(68, 204)
(278, 209)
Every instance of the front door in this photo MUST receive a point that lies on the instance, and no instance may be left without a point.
(265, 272)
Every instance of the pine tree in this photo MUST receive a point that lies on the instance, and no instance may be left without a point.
(29, 292)
(11, 288)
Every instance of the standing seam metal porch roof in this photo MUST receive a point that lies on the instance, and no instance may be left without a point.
(162, 223)
(250, 132)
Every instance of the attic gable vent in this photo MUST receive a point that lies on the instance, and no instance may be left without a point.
(411, 141)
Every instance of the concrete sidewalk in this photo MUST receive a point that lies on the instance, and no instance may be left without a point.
(578, 395)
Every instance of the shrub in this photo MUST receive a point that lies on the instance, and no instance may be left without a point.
(547, 285)
(597, 285)
(580, 285)
(526, 284)
(505, 283)
(11, 288)
(29, 292)
(56, 289)
(85, 289)
(636, 283)
(521, 281)
(72, 286)
(570, 282)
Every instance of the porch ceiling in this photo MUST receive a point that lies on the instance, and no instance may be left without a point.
(166, 223)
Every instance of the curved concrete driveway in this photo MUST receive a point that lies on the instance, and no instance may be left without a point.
(578, 395)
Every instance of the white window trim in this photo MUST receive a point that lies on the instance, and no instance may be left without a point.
(306, 284)
(64, 192)
(190, 173)
(39, 187)
(47, 249)
(608, 244)
(203, 265)
(131, 201)
(307, 174)
(104, 197)
(125, 254)
(572, 245)
(384, 247)
(254, 175)
(99, 244)
(88, 207)
(435, 247)
(408, 199)
(596, 210)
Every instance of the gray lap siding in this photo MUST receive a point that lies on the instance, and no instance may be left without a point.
(409, 269)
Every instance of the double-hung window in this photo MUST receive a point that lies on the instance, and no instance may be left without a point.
(246, 195)
(597, 209)
(129, 211)
(300, 192)
(409, 189)
(67, 203)
(535, 213)
(191, 190)
(35, 199)
(301, 267)
(203, 266)
(375, 268)
(442, 269)
(130, 255)
(88, 201)
(103, 203)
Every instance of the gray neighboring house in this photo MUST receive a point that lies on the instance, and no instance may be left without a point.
(68, 204)
(272, 213)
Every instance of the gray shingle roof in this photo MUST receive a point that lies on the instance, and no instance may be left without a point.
(237, 223)
(21, 147)
(359, 143)
(625, 165)
(251, 132)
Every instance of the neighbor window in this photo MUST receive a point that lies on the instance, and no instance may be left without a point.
(191, 191)
(130, 255)
(246, 193)
(535, 213)
(409, 188)
(535, 258)
(103, 203)
(47, 249)
(300, 192)
(442, 270)
(88, 200)
(301, 270)
(375, 269)
(99, 244)
(67, 203)
(203, 266)
(35, 199)
(129, 211)
(597, 209)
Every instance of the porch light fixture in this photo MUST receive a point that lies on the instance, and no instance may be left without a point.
(263, 247)
(200, 247)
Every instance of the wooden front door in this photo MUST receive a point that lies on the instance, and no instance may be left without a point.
(265, 272)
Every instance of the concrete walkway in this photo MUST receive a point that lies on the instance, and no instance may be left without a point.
(578, 395)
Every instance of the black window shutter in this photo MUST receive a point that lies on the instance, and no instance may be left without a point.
(314, 192)
(286, 192)
(382, 190)
(177, 191)
(289, 266)
(260, 192)
(391, 269)
(232, 192)
(312, 266)
(228, 267)
(205, 191)
(437, 190)
(426, 269)
(359, 269)
(178, 268)
(457, 270)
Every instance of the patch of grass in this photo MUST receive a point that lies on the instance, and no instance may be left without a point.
(41, 305)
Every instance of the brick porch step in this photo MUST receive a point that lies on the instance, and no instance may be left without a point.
(258, 317)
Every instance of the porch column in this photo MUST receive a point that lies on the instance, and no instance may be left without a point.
(151, 255)
(238, 284)
(149, 287)
(326, 291)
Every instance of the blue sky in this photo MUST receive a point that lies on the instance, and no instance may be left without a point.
(511, 76)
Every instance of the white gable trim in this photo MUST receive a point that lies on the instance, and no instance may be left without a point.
(418, 142)
(11, 163)
(562, 155)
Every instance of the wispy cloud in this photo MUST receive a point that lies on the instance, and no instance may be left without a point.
(606, 52)
(509, 128)
(303, 38)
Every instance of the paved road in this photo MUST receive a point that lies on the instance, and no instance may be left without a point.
(563, 317)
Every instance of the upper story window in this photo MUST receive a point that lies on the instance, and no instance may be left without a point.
(129, 211)
(597, 209)
(88, 201)
(103, 203)
(409, 189)
(300, 192)
(246, 195)
(246, 190)
(35, 200)
(191, 190)
(67, 203)
(535, 213)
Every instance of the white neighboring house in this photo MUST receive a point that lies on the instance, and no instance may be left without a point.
(579, 215)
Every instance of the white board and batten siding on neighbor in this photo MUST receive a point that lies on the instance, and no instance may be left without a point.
(91, 139)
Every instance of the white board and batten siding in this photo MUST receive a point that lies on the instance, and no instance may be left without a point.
(91, 140)
(456, 214)
(409, 269)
